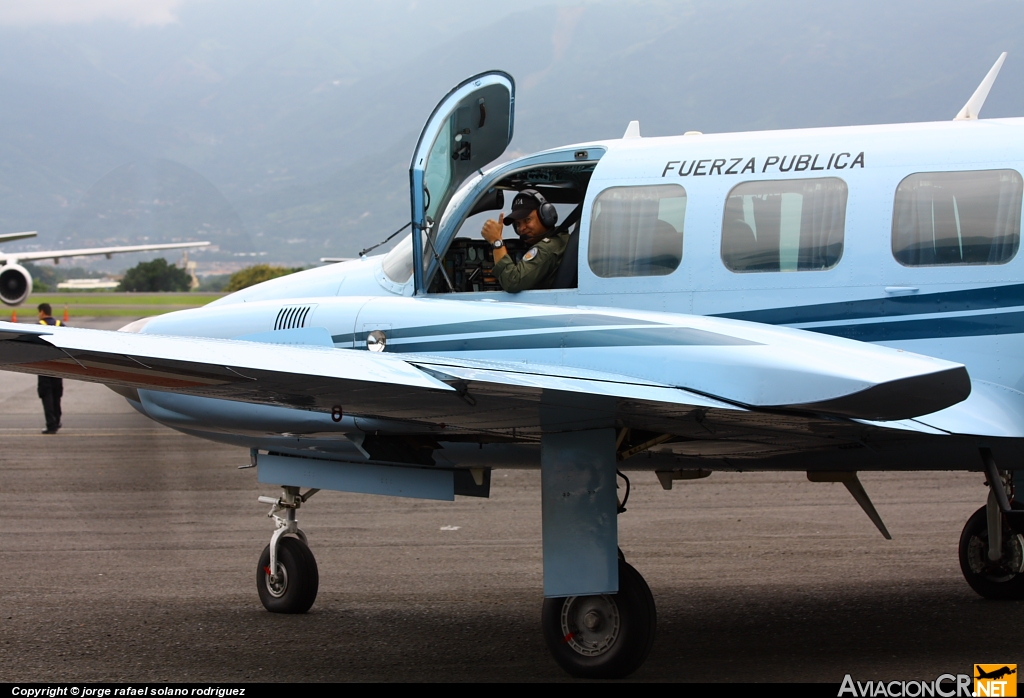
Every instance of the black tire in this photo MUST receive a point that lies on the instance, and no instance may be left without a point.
(300, 581)
(1003, 579)
(620, 642)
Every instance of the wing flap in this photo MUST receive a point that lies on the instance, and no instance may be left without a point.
(554, 378)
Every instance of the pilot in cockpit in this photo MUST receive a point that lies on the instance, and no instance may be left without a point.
(534, 220)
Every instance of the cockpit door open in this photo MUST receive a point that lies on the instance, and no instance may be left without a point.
(469, 129)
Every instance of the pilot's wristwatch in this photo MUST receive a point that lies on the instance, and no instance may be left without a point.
(498, 243)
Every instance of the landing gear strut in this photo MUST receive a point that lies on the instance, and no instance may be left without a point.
(602, 637)
(286, 577)
(991, 549)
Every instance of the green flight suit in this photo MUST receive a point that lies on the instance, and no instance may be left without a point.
(538, 267)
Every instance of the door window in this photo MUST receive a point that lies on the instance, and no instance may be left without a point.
(438, 172)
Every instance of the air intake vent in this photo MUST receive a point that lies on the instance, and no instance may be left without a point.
(292, 316)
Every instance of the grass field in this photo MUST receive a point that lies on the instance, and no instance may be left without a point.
(89, 304)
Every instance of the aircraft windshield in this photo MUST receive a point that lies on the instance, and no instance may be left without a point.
(397, 264)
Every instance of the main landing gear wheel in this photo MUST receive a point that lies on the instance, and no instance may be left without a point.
(993, 579)
(293, 588)
(602, 637)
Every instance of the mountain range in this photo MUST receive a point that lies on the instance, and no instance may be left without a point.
(283, 130)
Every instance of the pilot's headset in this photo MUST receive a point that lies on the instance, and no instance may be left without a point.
(546, 211)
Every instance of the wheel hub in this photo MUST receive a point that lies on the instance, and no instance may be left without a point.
(590, 624)
(277, 584)
(1006, 567)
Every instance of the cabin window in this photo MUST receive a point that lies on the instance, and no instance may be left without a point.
(957, 218)
(637, 231)
(784, 225)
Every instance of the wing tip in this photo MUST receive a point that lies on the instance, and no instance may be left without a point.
(904, 398)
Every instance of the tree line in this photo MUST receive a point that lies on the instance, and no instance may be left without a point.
(158, 275)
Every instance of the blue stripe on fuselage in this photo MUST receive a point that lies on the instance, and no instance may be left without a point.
(989, 298)
(929, 328)
(944, 302)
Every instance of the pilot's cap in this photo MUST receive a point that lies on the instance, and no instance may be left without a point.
(521, 207)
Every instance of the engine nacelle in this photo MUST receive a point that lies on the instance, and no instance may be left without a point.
(15, 284)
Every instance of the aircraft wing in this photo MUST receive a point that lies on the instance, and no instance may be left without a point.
(11, 237)
(474, 395)
(321, 377)
(92, 251)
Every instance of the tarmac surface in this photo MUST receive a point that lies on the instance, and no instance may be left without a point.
(129, 554)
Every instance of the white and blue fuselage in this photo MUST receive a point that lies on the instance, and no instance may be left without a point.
(962, 311)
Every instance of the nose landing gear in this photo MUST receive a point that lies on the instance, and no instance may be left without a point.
(287, 579)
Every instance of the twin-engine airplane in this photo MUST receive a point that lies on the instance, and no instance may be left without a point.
(16, 282)
(823, 300)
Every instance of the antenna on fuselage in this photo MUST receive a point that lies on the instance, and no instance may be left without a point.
(972, 109)
(632, 130)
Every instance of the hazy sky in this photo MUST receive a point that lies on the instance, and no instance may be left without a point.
(137, 12)
(301, 114)
(162, 12)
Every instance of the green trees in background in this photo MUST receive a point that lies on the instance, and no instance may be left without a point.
(250, 276)
(157, 275)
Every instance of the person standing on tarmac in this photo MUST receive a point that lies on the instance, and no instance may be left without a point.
(534, 219)
(50, 389)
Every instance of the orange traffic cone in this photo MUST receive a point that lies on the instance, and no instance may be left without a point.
(14, 316)
(65, 314)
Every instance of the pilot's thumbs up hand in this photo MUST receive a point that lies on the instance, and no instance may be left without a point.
(492, 229)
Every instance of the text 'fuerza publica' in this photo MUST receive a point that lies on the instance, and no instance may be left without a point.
(777, 163)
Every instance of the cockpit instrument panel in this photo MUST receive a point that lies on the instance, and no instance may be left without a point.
(469, 264)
